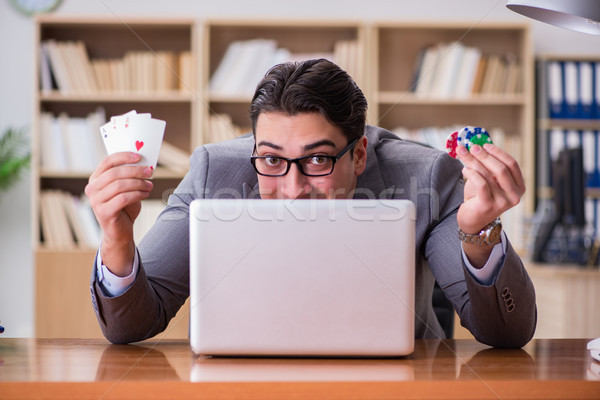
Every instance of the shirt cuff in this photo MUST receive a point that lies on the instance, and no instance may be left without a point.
(491, 269)
(112, 284)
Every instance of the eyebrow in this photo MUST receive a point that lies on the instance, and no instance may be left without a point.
(308, 147)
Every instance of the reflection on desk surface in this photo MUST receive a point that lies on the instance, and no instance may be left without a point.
(52, 360)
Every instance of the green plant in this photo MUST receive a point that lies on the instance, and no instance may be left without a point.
(14, 156)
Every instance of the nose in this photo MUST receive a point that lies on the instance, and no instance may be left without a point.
(294, 184)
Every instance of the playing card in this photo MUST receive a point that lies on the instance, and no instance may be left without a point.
(144, 136)
(134, 132)
(111, 131)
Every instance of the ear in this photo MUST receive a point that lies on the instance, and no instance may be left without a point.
(360, 156)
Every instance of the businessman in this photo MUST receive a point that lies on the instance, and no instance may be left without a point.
(309, 140)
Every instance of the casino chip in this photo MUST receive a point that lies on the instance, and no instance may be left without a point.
(451, 144)
(467, 137)
(480, 139)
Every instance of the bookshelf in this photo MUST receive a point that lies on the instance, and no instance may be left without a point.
(382, 60)
(167, 44)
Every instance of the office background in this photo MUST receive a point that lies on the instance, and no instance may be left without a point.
(17, 71)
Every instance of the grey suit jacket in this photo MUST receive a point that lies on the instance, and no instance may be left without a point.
(502, 314)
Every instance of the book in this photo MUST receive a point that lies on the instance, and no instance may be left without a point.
(448, 70)
(75, 224)
(58, 67)
(479, 75)
(554, 72)
(428, 70)
(571, 91)
(173, 158)
(71, 144)
(45, 71)
(49, 236)
(52, 147)
(596, 103)
(586, 90)
(467, 73)
(490, 74)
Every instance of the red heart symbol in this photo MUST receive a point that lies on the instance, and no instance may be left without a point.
(138, 145)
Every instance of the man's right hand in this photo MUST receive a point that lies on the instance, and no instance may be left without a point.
(116, 192)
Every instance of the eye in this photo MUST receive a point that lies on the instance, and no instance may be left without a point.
(272, 161)
(317, 160)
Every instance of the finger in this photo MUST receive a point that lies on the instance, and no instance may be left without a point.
(473, 163)
(509, 161)
(120, 172)
(122, 201)
(114, 160)
(493, 168)
(479, 186)
(108, 210)
(121, 186)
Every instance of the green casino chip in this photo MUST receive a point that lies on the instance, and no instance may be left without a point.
(480, 139)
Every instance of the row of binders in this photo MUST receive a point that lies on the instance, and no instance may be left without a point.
(245, 62)
(572, 89)
(67, 221)
(587, 140)
(66, 66)
(453, 70)
(551, 145)
(74, 144)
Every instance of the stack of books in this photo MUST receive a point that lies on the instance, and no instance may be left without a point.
(246, 62)
(68, 222)
(65, 65)
(453, 70)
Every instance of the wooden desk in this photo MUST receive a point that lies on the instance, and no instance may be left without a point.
(455, 369)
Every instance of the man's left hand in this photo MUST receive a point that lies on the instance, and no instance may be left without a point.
(494, 184)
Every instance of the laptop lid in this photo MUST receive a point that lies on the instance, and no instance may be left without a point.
(302, 277)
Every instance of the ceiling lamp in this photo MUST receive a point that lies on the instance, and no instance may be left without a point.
(577, 15)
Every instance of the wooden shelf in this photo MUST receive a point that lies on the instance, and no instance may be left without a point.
(569, 124)
(160, 173)
(149, 97)
(410, 98)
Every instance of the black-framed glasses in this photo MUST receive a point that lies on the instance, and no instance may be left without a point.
(315, 165)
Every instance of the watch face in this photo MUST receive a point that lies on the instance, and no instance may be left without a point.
(30, 7)
(493, 235)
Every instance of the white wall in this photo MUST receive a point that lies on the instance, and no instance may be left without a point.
(16, 91)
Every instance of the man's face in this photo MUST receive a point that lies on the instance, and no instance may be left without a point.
(307, 134)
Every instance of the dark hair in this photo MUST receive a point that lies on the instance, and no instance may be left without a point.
(312, 86)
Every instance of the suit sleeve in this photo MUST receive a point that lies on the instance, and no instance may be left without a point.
(502, 314)
(162, 283)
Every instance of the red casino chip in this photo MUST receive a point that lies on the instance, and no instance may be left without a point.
(451, 144)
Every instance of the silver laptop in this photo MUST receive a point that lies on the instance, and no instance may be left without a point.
(302, 277)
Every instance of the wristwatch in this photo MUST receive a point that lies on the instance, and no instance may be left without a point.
(489, 235)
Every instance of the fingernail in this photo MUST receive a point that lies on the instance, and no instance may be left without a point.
(147, 171)
(475, 149)
(135, 156)
(487, 146)
(462, 150)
